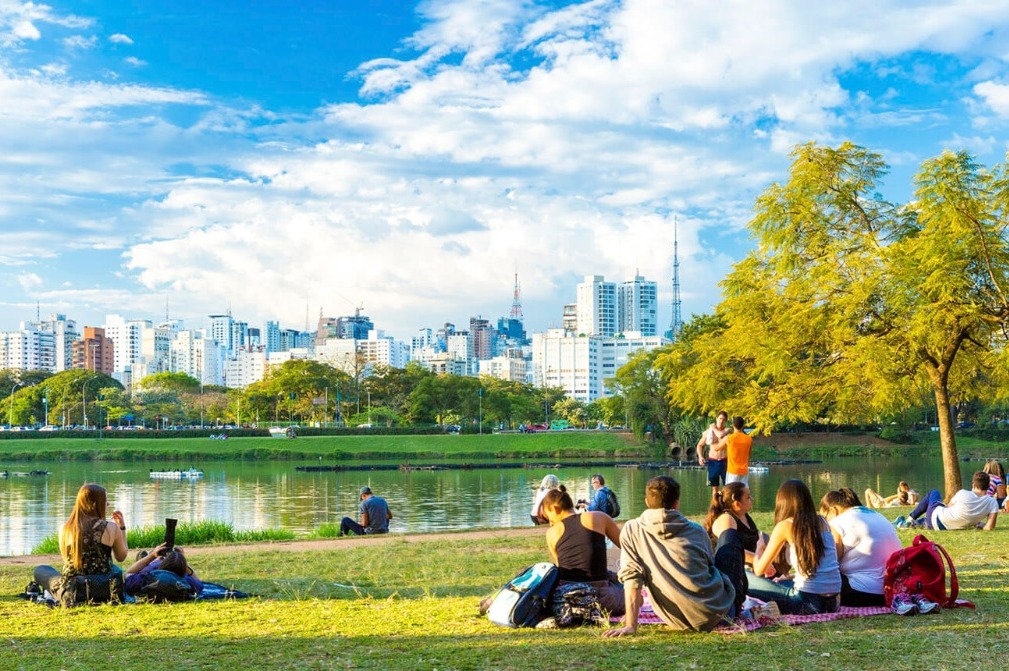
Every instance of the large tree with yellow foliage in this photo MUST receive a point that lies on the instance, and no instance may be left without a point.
(850, 307)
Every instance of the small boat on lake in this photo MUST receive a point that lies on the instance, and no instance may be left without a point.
(189, 474)
(759, 468)
(23, 474)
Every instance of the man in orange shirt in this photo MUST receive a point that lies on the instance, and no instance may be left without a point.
(737, 446)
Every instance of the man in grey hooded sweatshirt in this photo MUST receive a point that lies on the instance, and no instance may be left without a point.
(671, 556)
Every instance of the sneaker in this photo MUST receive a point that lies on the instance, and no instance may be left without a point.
(900, 522)
(923, 605)
(902, 604)
(769, 609)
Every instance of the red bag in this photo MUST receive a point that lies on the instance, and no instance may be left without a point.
(918, 569)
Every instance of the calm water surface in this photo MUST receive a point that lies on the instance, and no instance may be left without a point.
(265, 495)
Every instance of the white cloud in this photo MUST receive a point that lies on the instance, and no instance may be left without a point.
(134, 61)
(80, 42)
(29, 281)
(561, 141)
(995, 96)
(19, 21)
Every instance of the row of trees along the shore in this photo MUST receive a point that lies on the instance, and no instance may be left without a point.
(298, 391)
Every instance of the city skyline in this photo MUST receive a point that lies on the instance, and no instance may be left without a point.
(410, 157)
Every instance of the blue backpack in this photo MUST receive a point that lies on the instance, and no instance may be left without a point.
(523, 601)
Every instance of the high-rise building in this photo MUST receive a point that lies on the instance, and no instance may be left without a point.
(482, 336)
(272, 340)
(127, 338)
(581, 365)
(94, 351)
(64, 335)
(638, 301)
(597, 307)
(222, 329)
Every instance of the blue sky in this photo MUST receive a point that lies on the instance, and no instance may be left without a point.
(281, 158)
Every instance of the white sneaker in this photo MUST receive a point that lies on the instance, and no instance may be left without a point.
(902, 604)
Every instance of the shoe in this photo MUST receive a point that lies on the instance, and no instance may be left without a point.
(769, 609)
(902, 604)
(900, 522)
(924, 605)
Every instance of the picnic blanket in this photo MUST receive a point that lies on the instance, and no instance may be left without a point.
(211, 591)
(647, 616)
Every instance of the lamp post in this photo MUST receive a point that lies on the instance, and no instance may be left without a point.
(84, 399)
(479, 395)
(10, 416)
(45, 405)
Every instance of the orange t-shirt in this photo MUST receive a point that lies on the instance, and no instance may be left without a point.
(738, 452)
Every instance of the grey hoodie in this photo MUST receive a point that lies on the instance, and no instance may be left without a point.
(671, 556)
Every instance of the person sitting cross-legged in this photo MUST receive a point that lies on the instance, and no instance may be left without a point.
(689, 587)
(375, 516)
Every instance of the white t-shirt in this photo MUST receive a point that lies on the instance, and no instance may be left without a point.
(869, 539)
(965, 510)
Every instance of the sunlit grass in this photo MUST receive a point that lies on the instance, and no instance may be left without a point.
(410, 603)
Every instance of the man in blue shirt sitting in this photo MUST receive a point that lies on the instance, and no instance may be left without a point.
(375, 516)
(601, 498)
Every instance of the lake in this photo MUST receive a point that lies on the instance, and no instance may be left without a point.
(265, 495)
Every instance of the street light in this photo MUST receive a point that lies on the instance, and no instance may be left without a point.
(10, 416)
(479, 395)
(84, 399)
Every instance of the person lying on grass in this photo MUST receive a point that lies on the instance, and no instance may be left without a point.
(966, 510)
(160, 560)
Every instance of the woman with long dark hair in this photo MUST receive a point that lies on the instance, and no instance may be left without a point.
(816, 581)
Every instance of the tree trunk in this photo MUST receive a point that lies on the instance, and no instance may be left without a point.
(947, 440)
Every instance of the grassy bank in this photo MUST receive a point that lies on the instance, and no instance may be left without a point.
(432, 448)
(559, 445)
(411, 604)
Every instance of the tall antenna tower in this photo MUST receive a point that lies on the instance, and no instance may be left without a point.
(676, 325)
(516, 312)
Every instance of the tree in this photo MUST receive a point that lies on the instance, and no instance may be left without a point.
(572, 410)
(643, 387)
(177, 382)
(850, 305)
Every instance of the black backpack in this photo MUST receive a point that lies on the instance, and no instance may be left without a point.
(160, 586)
(612, 505)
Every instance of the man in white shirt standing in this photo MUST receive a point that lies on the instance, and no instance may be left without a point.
(966, 510)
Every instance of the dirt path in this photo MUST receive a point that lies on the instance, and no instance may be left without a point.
(309, 546)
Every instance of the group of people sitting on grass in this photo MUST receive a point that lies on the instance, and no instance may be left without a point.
(88, 541)
(815, 559)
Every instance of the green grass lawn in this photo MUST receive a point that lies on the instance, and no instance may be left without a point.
(565, 444)
(411, 604)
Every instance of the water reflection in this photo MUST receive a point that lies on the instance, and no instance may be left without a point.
(258, 495)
